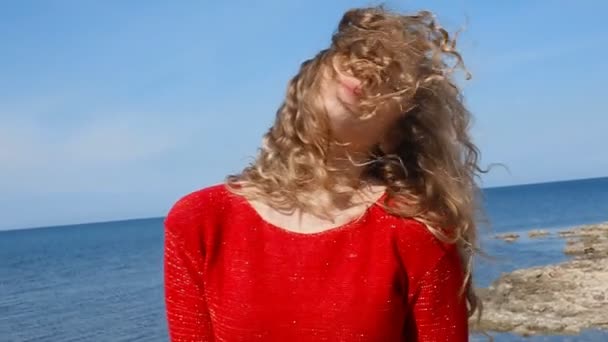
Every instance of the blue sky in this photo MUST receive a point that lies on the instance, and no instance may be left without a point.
(114, 109)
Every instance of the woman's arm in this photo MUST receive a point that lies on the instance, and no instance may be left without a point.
(187, 313)
(439, 312)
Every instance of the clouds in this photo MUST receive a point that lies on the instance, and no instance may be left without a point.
(116, 141)
(511, 58)
(27, 143)
(38, 155)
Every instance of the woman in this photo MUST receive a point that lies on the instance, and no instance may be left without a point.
(356, 220)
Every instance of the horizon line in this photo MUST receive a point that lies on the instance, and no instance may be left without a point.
(160, 217)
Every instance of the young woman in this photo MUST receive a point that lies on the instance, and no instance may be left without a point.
(356, 220)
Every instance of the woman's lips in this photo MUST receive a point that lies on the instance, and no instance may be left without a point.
(351, 84)
(348, 90)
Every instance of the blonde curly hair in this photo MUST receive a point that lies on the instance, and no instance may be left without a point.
(429, 168)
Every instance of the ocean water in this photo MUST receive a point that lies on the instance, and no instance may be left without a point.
(103, 281)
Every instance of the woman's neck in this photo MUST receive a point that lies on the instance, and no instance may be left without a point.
(349, 162)
(339, 210)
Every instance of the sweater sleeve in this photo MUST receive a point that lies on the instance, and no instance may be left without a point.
(187, 314)
(438, 311)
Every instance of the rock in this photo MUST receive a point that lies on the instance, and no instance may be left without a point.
(508, 237)
(588, 241)
(556, 299)
(538, 233)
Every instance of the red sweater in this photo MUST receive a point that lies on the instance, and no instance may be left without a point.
(231, 276)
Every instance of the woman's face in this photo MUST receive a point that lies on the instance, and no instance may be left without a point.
(340, 96)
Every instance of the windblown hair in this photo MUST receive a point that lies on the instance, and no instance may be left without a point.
(405, 63)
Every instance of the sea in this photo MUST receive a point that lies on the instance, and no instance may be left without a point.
(103, 281)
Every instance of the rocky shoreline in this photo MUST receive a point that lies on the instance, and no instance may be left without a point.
(564, 298)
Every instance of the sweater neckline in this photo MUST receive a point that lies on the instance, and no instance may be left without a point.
(325, 232)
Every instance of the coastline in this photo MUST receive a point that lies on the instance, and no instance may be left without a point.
(557, 299)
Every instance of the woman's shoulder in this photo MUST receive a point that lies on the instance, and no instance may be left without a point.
(197, 206)
(419, 248)
(415, 234)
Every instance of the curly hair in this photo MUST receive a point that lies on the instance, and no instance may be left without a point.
(405, 63)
